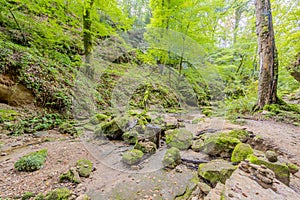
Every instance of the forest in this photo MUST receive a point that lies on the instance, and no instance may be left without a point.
(149, 99)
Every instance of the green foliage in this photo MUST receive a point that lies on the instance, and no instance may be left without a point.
(31, 162)
(8, 115)
(35, 123)
(27, 195)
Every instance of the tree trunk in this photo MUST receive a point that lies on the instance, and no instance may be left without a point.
(268, 59)
(87, 37)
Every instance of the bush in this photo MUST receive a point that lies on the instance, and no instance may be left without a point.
(32, 162)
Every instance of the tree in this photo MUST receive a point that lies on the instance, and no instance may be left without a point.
(268, 58)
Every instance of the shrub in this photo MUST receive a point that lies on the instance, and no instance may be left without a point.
(32, 162)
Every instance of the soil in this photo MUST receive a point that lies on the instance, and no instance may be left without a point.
(110, 178)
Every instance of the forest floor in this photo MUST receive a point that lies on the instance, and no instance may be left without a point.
(110, 179)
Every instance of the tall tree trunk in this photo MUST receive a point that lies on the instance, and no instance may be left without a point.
(87, 37)
(268, 59)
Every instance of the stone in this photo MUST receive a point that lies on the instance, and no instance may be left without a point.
(84, 167)
(83, 197)
(204, 187)
(132, 157)
(110, 129)
(293, 168)
(179, 138)
(216, 171)
(281, 170)
(272, 156)
(240, 152)
(172, 158)
(146, 147)
(197, 145)
(71, 175)
(130, 137)
(98, 118)
(216, 144)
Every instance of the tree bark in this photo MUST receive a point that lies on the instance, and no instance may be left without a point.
(268, 59)
(87, 37)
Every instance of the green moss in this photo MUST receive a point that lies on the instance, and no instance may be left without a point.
(98, 118)
(40, 196)
(293, 168)
(27, 195)
(84, 167)
(146, 147)
(70, 176)
(7, 115)
(215, 145)
(216, 171)
(197, 120)
(281, 171)
(238, 134)
(179, 138)
(171, 158)
(58, 194)
(130, 137)
(132, 157)
(240, 152)
(32, 161)
(68, 128)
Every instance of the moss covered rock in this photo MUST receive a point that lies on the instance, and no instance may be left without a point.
(216, 171)
(271, 156)
(293, 168)
(146, 147)
(240, 152)
(98, 118)
(179, 138)
(84, 167)
(197, 145)
(110, 129)
(281, 170)
(132, 157)
(58, 194)
(130, 137)
(32, 161)
(72, 175)
(217, 144)
(172, 158)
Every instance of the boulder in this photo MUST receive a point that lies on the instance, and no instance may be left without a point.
(72, 175)
(240, 152)
(146, 147)
(281, 170)
(179, 138)
(98, 118)
(216, 171)
(215, 145)
(130, 137)
(197, 145)
(271, 156)
(172, 158)
(84, 167)
(132, 157)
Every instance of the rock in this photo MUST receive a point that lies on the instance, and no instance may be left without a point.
(293, 168)
(216, 171)
(179, 138)
(204, 187)
(241, 186)
(197, 145)
(172, 158)
(132, 157)
(216, 144)
(152, 133)
(272, 156)
(84, 167)
(146, 147)
(98, 118)
(216, 192)
(240, 152)
(72, 175)
(109, 129)
(130, 137)
(281, 170)
(59, 193)
(83, 197)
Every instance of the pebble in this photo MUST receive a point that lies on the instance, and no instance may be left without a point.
(4, 154)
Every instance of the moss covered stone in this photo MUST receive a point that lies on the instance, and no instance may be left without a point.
(240, 152)
(98, 118)
(58, 194)
(72, 175)
(110, 129)
(130, 137)
(217, 144)
(216, 171)
(84, 167)
(281, 170)
(132, 157)
(179, 138)
(31, 162)
(293, 168)
(271, 156)
(172, 158)
(197, 145)
(146, 147)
